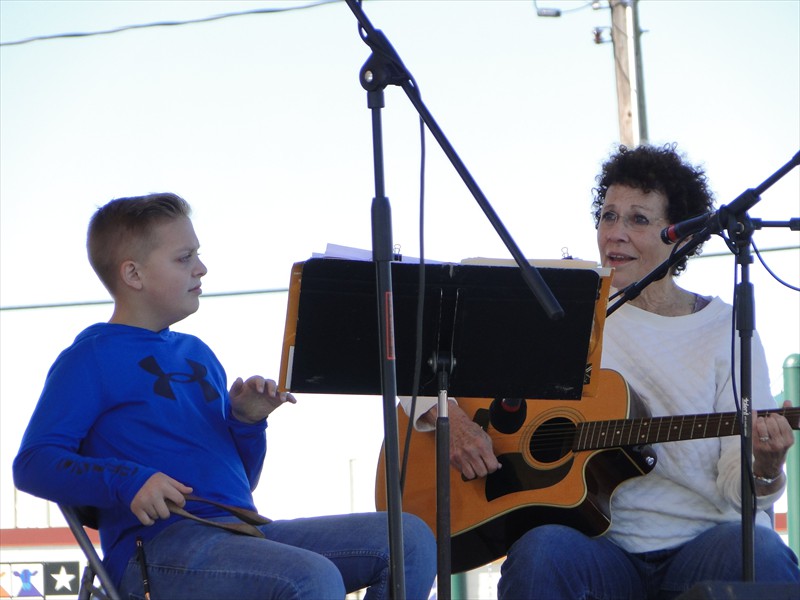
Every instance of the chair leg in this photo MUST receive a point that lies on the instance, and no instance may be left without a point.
(95, 569)
(87, 583)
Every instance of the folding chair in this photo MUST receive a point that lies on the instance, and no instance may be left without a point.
(76, 518)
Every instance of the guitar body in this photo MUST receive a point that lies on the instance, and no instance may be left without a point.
(535, 486)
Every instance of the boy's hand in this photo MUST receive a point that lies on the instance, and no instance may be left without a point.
(253, 400)
(150, 504)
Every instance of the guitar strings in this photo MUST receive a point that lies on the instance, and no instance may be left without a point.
(585, 435)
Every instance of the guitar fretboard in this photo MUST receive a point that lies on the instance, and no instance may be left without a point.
(596, 435)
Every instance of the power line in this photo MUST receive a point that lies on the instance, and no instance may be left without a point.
(761, 250)
(101, 302)
(256, 11)
(285, 290)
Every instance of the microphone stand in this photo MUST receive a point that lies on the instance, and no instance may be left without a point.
(384, 67)
(382, 254)
(740, 227)
(444, 366)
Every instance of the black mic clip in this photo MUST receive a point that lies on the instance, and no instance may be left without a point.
(678, 231)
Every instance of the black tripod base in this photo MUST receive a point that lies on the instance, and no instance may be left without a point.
(720, 590)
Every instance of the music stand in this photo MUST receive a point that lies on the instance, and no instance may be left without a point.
(497, 340)
(484, 316)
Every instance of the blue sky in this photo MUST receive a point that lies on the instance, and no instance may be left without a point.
(261, 124)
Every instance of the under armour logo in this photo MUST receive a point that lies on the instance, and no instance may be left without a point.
(164, 381)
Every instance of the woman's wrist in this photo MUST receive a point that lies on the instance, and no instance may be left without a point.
(764, 480)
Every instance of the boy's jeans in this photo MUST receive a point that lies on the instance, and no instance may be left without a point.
(300, 559)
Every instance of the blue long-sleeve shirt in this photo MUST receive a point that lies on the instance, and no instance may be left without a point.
(122, 403)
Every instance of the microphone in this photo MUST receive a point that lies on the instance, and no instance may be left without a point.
(678, 231)
(507, 415)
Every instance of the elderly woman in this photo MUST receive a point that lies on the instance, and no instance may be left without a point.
(680, 524)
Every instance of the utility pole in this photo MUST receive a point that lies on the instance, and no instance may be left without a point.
(625, 36)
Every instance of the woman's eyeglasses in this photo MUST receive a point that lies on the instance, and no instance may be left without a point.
(637, 222)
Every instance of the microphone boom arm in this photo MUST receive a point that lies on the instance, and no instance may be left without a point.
(391, 70)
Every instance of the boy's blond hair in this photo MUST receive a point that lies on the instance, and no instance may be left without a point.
(122, 230)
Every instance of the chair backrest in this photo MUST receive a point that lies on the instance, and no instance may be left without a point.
(76, 518)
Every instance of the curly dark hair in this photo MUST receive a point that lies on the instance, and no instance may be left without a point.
(657, 169)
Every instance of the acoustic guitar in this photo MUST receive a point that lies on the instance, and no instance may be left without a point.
(560, 466)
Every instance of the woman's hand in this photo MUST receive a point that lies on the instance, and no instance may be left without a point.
(772, 438)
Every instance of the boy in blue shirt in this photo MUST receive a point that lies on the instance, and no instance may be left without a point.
(134, 418)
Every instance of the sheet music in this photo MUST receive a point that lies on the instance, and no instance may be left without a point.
(350, 253)
(540, 263)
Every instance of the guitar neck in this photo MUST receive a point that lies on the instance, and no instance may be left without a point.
(631, 432)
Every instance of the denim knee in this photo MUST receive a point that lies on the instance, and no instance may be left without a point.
(775, 561)
(419, 545)
(418, 538)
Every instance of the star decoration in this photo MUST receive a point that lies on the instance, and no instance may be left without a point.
(63, 579)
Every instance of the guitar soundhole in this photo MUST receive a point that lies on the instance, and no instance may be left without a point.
(552, 440)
